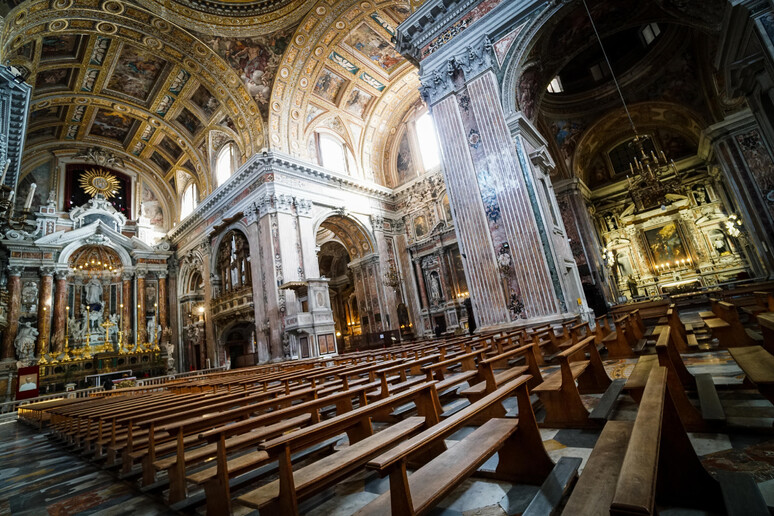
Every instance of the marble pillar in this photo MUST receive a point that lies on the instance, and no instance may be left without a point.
(142, 331)
(60, 312)
(14, 310)
(163, 308)
(420, 277)
(260, 296)
(126, 308)
(44, 309)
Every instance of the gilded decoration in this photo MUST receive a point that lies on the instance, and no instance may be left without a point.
(102, 182)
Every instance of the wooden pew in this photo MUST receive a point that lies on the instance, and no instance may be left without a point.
(488, 380)
(601, 329)
(523, 458)
(766, 322)
(737, 335)
(438, 371)
(634, 465)
(281, 496)
(758, 367)
(561, 396)
(618, 342)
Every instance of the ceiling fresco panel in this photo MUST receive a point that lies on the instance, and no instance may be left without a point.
(368, 42)
(136, 73)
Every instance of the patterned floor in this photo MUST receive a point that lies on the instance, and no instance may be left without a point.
(38, 476)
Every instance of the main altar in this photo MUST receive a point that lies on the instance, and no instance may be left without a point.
(84, 294)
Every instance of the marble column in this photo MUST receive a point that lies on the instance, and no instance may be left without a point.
(142, 332)
(126, 308)
(163, 309)
(44, 308)
(14, 310)
(420, 277)
(60, 312)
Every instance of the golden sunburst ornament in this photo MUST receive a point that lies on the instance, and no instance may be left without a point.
(96, 182)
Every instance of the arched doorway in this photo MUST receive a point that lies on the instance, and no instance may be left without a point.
(237, 343)
(349, 256)
(333, 260)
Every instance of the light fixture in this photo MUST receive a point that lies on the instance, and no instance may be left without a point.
(649, 183)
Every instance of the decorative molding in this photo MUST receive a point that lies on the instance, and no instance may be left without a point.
(100, 157)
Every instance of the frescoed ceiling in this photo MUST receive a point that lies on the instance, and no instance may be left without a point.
(120, 78)
(341, 72)
(164, 93)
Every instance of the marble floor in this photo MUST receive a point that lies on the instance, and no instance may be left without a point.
(38, 476)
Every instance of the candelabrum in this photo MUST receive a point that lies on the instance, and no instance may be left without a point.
(22, 221)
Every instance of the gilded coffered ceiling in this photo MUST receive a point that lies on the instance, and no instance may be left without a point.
(116, 76)
(341, 73)
(165, 93)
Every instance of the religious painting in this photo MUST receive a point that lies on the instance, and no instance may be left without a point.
(369, 43)
(189, 121)
(111, 124)
(46, 114)
(28, 381)
(312, 112)
(404, 163)
(675, 145)
(159, 160)
(56, 79)
(205, 101)
(398, 12)
(254, 59)
(171, 148)
(420, 226)
(136, 73)
(151, 208)
(665, 244)
(39, 134)
(227, 122)
(41, 176)
(357, 102)
(329, 86)
(60, 46)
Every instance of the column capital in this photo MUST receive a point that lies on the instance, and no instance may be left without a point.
(161, 274)
(15, 270)
(127, 276)
(47, 270)
(61, 274)
(473, 61)
(141, 273)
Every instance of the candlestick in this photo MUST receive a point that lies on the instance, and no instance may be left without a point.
(30, 195)
(5, 170)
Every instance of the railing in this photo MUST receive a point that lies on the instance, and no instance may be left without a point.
(234, 301)
(13, 406)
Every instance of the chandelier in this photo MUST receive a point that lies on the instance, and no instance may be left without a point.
(652, 177)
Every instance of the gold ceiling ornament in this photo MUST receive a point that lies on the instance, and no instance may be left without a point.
(94, 181)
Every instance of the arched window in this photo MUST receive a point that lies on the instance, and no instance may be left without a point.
(224, 165)
(188, 201)
(428, 141)
(333, 154)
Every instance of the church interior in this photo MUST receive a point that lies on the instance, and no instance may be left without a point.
(336, 257)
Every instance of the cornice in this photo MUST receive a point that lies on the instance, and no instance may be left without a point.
(263, 169)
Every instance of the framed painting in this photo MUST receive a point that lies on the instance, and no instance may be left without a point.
(665, 244)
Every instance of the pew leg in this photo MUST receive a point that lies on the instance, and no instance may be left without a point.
(564, 409)
(523, 458)
(177, 483)
(400, 496)
(287, 504)
(148, 472)
(218, 497)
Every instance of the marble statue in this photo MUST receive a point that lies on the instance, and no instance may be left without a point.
(435, 287)
(94, 292)
(30, 293)
(113, 330)
(25, 343)
(151, 328)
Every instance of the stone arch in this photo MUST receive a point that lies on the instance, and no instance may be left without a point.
(357, 239)
(526, 72)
